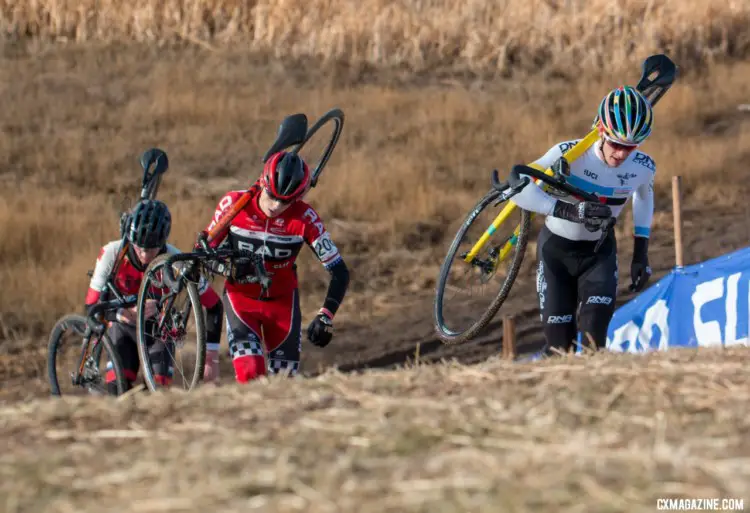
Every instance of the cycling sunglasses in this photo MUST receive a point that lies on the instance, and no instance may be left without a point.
(620, 146)
(283, 201)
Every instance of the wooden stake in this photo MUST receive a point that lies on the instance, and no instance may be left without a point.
(509, 337)
(677, 215)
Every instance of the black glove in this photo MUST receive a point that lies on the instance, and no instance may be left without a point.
(592, 215)
(320, 330)
(640, 272)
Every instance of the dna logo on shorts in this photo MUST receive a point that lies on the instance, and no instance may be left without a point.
(559, 319)
(599, 300)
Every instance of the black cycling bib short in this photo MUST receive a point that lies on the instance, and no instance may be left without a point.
(569, 275)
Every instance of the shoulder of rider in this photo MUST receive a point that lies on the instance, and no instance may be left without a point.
(643, 159)
(554, 152)
(111, 247)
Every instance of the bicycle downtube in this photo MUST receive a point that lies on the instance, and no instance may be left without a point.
(572, 154)
(119, 259)
(170, 280)
(84, 355)
(227, 217)
(510, 243)
(500, 219)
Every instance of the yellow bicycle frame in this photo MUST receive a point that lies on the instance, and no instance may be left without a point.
(570, 155)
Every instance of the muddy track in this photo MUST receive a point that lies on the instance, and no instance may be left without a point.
(412, 335)
(396, 340)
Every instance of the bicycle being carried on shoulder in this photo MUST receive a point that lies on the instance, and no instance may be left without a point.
(89, 332)
(483, 258)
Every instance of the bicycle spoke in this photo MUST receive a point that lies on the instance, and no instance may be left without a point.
(476, 284)
(78, 366)
(170, 336)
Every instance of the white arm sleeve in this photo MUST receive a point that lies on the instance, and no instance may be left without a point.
(643, 208)
(532, 197)
(104, 265)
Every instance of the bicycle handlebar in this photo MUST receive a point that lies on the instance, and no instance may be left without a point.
(114, 304)
(207, 254)
(516, 183)
(99, 308)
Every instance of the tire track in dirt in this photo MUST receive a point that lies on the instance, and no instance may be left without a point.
(394, 342)
(413, 335)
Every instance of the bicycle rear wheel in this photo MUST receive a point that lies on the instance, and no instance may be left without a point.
(170, 341)
(485, 269)
(74, 361)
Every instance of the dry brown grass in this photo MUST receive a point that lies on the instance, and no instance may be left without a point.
(409, 165)
(605, 433)
(476, 36)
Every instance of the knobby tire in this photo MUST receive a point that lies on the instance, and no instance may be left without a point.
(447, 336)
(53, 345)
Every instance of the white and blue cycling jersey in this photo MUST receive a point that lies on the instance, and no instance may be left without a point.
(614, 186)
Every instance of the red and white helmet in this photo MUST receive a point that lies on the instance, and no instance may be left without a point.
(286, 177)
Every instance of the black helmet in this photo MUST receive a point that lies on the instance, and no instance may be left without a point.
(285, 176)
(150, 224)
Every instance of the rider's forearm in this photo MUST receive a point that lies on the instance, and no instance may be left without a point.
(337, 286)
(643, 210)
(534, 199)
(640, 248)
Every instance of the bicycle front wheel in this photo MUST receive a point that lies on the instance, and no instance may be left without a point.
(172, 344)
(75, 364)
(486, 273)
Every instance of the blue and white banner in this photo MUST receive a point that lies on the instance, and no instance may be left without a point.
(706, 304)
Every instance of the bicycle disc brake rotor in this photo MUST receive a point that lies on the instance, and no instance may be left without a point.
(90, 375)
(174, 329)
(90, 369)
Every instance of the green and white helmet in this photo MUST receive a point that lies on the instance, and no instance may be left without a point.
(625, 116)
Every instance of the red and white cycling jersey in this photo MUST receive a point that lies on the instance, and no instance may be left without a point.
(278, 240)
(128, 278)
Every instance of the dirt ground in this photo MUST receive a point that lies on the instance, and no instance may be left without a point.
(605, 433)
